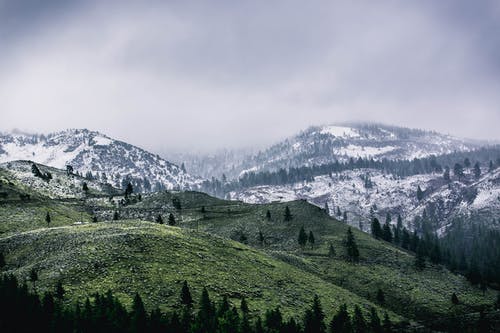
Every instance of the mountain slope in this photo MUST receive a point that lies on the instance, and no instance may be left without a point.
(326, 144)
(111, 161)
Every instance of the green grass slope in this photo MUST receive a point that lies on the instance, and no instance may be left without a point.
(416, 294)
(154, 260)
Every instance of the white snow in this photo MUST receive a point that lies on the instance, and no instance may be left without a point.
(102, 141)
(340, 131)
(363, 151)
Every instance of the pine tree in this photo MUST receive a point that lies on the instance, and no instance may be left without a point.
(302, 239)
(116, 216)
(139, 315)
(467, 162)
(386, 324)
(405, 239)
(477, 170)
(376, 228)
(60, 291)
(358, 321)
(48, 219)
(420, 258)
(268, 215)
(344, 218)
(454, 299)
(351, 247)
(171, 219)
(339, 213)
(33, 277)
(288, 214)
(245, 321)
(2, 261)
(446, 174)
(341, 322)
(420, 193)
(159, 219)
(327, 209)
(314, 318)
(129, 190)
(387, 233)
(375, 325)
(85, 188)
(331, 251)
(380, 297)
(94, 219)
(458, 170)
(186, 298)
(261, 238)
(311, 239)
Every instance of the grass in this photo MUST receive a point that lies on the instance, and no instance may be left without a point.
(133, 256)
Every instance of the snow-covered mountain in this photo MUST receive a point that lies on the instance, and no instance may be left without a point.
(327, 144)
(97, 156)
(347, 192)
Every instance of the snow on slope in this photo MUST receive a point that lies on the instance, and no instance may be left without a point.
(111, 161)
(326, 144)
(60, 186)
(389, 194)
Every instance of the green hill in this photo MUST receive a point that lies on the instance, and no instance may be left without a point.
(208, 250)
(152, 259)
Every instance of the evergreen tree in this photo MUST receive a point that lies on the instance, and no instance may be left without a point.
(458, 170)
(341, 322)
(85, 188)
(60, 291)
(405, 239)
(454, 299)
(94, 219)
(2, 261)
(386, 324)
(491, 167)
(477, 170)
(129, 190)
(351, 246)
(375, 325)
(358, 321)
(245, 321)
(302, 239)
(268, 215)
(186, 298)
(48, 219)
(497, 302)
(171, 219)
(446, 174)
(139, 316)
(387, 233)
(288, 214)
(345, 217)
(311, 239)
(33, 277)
(420, 258)
(327, 209)
(467, 162)
(380, 297)
(398, 230)
(116, 216)
(339, 213)
(420, 193)
(205, 320)
(314, 318)
(159, 219)
(331, 251)
(376, 228)
(261, 238)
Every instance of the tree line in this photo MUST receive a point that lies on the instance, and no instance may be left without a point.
(105, 313)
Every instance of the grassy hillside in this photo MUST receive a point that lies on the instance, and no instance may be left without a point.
(133, 256)
(154, 259)
(409, 292)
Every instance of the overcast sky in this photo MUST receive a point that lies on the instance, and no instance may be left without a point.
(202, 75)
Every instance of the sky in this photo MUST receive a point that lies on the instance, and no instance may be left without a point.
(205, 75)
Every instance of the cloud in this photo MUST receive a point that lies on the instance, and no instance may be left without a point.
(174, 75)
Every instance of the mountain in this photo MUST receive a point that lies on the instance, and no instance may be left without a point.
(232, 248)
(327, 144)
(96, 155)
(348, 192)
